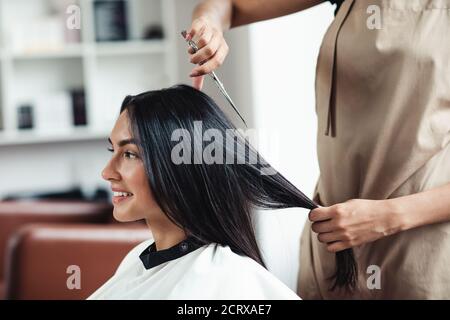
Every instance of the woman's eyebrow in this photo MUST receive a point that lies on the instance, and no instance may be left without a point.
(124, 142)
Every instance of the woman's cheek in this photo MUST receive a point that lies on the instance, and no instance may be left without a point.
(140, 183)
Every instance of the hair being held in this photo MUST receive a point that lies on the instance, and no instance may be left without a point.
(212, 202)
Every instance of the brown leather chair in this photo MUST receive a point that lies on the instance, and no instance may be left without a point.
(14, 214)
(40, 258)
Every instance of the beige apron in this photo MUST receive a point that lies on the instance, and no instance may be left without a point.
(383, 106)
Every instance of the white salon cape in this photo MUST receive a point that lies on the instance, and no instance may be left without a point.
(189, 271)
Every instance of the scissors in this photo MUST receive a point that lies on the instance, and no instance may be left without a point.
(215, 78)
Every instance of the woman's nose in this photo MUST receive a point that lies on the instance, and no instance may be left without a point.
(109, 172)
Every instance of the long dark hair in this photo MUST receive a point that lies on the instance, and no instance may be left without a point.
(210, 201)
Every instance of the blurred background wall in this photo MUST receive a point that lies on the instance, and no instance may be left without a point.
(269, 73)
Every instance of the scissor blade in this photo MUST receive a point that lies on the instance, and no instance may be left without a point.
(226, 95)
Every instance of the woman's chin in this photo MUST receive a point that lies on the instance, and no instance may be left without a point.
(122, 215)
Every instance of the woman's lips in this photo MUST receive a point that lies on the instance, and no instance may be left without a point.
(119, 199)
(120, 196)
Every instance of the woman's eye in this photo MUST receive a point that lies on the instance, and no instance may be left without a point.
(110, 149)
(130, 155)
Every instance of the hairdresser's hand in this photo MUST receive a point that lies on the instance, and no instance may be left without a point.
(355, 222)
(213, 48)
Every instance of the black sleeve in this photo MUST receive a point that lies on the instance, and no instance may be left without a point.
(338, 4)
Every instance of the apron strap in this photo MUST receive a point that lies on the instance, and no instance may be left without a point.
(328, 69)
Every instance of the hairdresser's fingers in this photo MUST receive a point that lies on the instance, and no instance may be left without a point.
(203, 38)
(207, 51)
(197, 27)
(212, 64)
(340, 245)
(320, 214)
(197, 82)
(327, 237)
(324, 226)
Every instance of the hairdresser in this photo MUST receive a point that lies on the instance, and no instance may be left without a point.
(383, 108)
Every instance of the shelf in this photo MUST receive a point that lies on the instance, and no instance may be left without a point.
(130, 47)
(65, 51)
(34, 137)
(100, 49)
(31, 72)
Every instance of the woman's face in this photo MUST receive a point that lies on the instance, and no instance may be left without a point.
(132, 199)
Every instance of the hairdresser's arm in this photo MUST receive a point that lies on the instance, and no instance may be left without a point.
(212, 17)
(358, 221)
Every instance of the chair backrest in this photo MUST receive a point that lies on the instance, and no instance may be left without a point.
(44, 259)
(14, 214)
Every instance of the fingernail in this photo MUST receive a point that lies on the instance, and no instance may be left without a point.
(194, 74)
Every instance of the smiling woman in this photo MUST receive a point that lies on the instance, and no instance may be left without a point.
(200, 214)
(125, 171)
